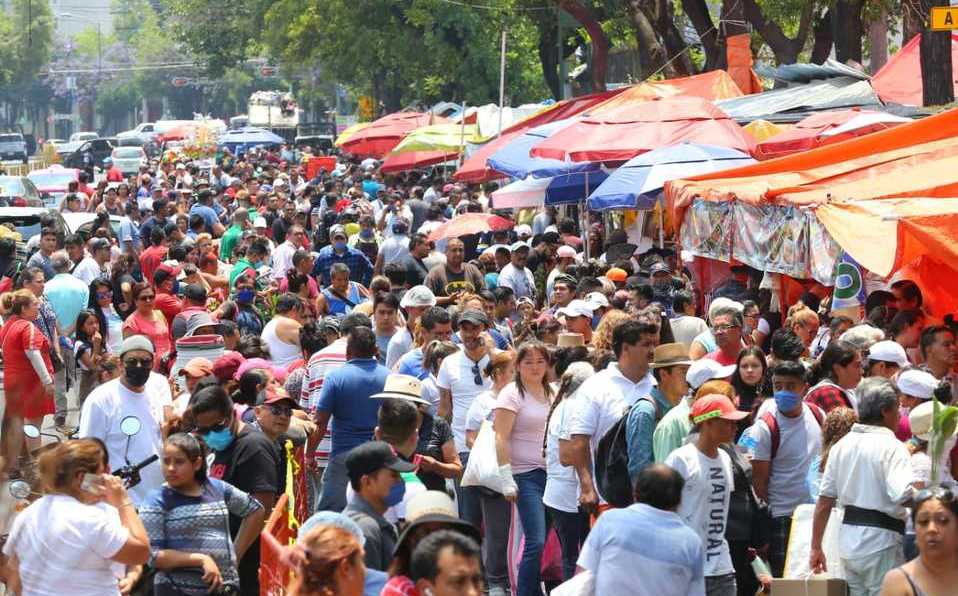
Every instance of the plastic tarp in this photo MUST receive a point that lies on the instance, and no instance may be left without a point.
(535, 192)
(250, 136)
(514, 160)
(447, 137)
(411, 160)
(349, 132)
(825, 127)
(713, 85)
(899, 80)
(486, 118)
(628, 130)
(380, 137)
(830, 94)
(739, 57)
(475, 169)
(763, 129)
(638, 183)
(806, 72)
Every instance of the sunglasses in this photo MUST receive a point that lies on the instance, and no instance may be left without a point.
(138, 362)
(476, 376)
(107, 294)
(278, 410)
(941, 493)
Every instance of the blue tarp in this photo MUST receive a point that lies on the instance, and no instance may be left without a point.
(251, 136)
(514, 161)
(638, 182)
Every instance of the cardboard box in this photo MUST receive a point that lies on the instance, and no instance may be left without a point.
(811, 587)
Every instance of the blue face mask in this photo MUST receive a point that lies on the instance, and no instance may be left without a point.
(339, 246)
(219, 440)
(245, 296)
(396, 493)
(176, 287)
(786, 401)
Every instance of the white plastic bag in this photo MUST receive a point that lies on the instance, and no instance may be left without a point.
(582, 584)
(800, 544)
(482, 469)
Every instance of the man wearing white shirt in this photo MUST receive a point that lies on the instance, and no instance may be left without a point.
(516, 276)
(96, 264)
(283, 255)
(868, 474)
(605, 398)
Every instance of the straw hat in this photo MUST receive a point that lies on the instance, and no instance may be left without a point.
(674, 354)
(402, 387)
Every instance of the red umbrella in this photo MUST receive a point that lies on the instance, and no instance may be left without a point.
(825, 128)
(470, 223)
(379, 138)
(411, 160)
(621, 132)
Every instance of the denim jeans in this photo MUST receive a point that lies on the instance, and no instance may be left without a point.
(467, 498)
(720, 585)
(532, 514)
(332, 496)
(572, 529)
(496, 515)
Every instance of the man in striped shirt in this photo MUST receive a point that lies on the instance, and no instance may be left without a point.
(320, 364)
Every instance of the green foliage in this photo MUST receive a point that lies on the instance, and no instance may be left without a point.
(26, 39)
(943, 426)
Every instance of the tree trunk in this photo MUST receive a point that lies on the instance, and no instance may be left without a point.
(549, 57)
(600, 42)
(878, 40)
(651, 54)
(913, 16)
(786, 49)
(822, 32)
(698, 13)
(936, 74)
(848, 30)
(661, 14)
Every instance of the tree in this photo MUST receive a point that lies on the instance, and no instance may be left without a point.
(936, 69)
(768, 19)
(849, 30)
(27, 40)
(600, 41)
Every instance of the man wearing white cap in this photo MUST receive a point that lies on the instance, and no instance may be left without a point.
(917, 387)
(414, 302)
(565, 256)
(885, 359)
(675, 426)
(516, 276)
(577, 318)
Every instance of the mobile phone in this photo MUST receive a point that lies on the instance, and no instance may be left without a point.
(92, 483)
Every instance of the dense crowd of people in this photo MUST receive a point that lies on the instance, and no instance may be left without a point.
(493, 413)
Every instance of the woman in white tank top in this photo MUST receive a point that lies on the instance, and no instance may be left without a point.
(281, 334)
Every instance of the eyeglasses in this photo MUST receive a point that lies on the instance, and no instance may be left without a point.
(139, 362)
(476, 375)
(106, 294)
(724, 328)
(278, 410)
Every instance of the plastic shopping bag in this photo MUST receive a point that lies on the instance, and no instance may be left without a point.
(482, 469)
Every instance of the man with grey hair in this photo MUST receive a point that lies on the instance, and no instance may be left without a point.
(868, 474)
(726, 325)
(863, 336)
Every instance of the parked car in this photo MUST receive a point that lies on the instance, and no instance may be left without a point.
(101, 148)
(19, 191)
(82, 223)
(13, 146)
(26, 220)
(144, 131)
(79, 137)
(128, 159)
(52, 183)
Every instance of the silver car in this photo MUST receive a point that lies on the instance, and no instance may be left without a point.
(129, 159)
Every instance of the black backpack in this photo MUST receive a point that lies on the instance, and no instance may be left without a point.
(612, 464)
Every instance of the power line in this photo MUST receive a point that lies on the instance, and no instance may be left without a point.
(498, 8)
(169, 66)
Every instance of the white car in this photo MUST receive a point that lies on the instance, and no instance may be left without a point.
(79, 137)
(129, 159)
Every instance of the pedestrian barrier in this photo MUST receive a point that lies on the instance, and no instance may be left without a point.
(22, 169)
(291, 510)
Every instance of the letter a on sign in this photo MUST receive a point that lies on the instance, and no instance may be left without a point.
(944, 18)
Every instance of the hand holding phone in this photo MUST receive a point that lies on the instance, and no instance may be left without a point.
(93, 484)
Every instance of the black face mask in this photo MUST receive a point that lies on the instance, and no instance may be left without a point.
(137, 376)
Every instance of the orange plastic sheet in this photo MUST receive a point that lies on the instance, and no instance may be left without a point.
(379, 138)
(739, 54)
(712, 85)
(914, 159)
(899, 81)
(807, 134)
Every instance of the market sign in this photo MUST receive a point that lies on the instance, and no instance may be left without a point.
(180, 81)
(944, 18)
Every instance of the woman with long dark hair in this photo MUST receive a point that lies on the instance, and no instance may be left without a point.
(751, 369)
(149, 321)
(835, 377)
(88, 349)
(104, 307)
(188, 523)
(522, 408)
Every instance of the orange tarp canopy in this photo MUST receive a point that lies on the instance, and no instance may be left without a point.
(899, 81)
(809, 133)
(379, 138)
(712, 85)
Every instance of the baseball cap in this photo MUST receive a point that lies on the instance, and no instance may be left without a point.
(260, 222)
(476, 317)
(371, 457)
(197, 367)
(917, 383)
(888, 351)
(516, 246)
(715, 405)
(418, 296)
(659, 267)
(525, 300)
(164, 271)
(279, 373)
(271, 396)
(597, 300)
(576, 308)
(565, 252)
(523, 230)
(98, 244)
(616, 274)
(337, 231)
(225, 367)
(706, 369)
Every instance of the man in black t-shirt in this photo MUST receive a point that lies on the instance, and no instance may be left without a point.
(416, 269)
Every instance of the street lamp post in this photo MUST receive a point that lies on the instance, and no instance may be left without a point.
(99, 57)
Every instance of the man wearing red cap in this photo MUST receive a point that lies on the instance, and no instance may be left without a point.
(707, 471)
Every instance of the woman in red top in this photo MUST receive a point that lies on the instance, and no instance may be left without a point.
(148, 321)
(27, 372)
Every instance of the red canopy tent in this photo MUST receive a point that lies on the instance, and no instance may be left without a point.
(411, 160)
(474, 167)
(379, 138)
(899, 81)
(629, 129)
(816, 130)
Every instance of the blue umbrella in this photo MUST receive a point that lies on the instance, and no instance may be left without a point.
(534, 192)
(514, 161)
(250, 136)
(637, 184)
